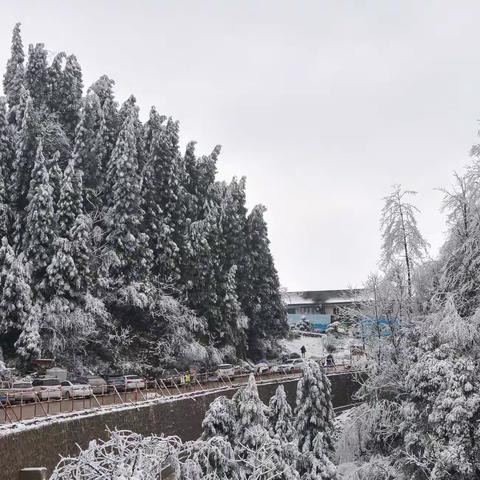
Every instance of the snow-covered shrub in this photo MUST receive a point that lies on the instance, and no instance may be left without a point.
(317, 465)
(378, 468)
(314, 410)
(250, 411)
(442, 399)
(220, 420)
(125, 456)
(280, 418)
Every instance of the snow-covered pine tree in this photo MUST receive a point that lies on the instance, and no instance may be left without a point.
(5, 213)
(200, 272)
(103, 88)
(441, 397)
(189, 183)
(460, 254)
(124, 112)
(7, 153)
(219, 420)
(40, 220)
(70, 202)
(7, 256)
(250, 411)
(25, 151)
(260, 295)
(314, 411)
(280, 426)
(161, 196)
(62, 275)
(13, 78)
(28, 345)
(16, 301)
(216, 458)
(82, 250)
(70, 95)
(280, 419)
(234, 323)
(319, 466)
(124, 216)
(90, 151)
(36, 74)
(234, 217)
(55, 174)
(54, 80)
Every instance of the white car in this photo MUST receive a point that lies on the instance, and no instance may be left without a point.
(47, 388)
(22, 391)
(76, 390)
(225, 370)
(290, 365)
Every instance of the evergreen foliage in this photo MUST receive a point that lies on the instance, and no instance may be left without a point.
(105, 207)
(314, 411)
(219, 420)
(16, 296)
(39, 222)
(280, 417)
(13, 78)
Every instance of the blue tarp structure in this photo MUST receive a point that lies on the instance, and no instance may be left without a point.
(371, 326)
(318, 321)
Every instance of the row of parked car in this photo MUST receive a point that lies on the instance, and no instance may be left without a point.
(49, 388)
(52, 388)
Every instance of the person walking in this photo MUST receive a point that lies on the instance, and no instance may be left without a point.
(303, 350)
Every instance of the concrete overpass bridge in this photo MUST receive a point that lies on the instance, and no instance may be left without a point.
(40, 442)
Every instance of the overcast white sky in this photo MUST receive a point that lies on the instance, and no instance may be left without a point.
(323, 105)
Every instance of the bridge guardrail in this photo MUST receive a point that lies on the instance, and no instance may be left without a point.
(13, 410)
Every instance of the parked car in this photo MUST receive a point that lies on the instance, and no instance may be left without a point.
(47, 388)
(98, 383)
(261, 367)
(134, 382)
(117, 382)
(76, 390)
(290, 365)
(169, 378)
(125, 382)
(225, 370)
(22, 391)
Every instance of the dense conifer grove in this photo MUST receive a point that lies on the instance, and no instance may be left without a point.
(117, 247)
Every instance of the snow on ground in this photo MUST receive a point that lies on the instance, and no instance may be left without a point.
(316, 346)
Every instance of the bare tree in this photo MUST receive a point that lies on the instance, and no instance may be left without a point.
(400, 233)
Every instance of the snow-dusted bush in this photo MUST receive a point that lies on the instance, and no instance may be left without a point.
(220, 420)
(124, 456)
(251, 419)
(280, 418)
(314, 410)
